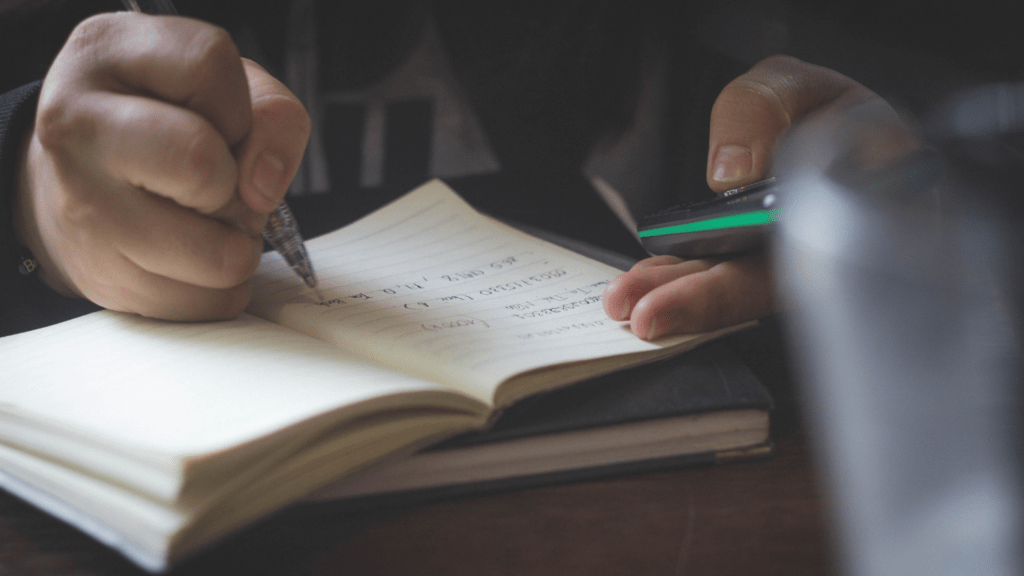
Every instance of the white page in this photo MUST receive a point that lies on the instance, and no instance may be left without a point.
(163, 391)
(429, 284)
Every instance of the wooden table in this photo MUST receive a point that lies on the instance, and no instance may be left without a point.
(763, 517)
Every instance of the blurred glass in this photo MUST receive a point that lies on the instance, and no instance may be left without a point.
(903, 287)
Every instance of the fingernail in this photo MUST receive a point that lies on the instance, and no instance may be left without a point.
(268, 176)
(624, 312)
(732, 163)
(652, 331)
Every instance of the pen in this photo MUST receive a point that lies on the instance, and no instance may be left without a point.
(282, 230)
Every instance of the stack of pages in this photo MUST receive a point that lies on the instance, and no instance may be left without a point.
(430, 320)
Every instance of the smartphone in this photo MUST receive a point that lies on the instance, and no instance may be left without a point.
(738, 220)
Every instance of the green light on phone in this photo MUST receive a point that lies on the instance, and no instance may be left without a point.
(757, 218)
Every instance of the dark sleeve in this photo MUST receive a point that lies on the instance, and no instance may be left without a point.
(25, 302)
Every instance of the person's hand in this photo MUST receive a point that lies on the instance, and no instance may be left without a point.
(156, 155)
(667, 295)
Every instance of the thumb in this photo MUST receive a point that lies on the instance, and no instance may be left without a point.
(753, 112)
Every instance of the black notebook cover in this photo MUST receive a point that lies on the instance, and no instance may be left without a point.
(707, 379)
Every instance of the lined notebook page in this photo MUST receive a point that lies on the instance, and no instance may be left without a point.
(429, 285)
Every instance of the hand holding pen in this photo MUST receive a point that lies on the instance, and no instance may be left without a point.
(156, 155)
(282, 230)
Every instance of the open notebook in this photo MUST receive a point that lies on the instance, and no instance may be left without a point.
(158, 438)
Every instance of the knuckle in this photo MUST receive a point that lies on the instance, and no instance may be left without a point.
(62, 120)
(208, 178)
(754, 91)
(92, 32)
(757, 97)
(289, 118)
(689, 308)
(200, 156)
(57, 126)
(213, 54)
(86, 50)
(632, 287)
